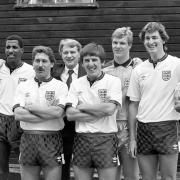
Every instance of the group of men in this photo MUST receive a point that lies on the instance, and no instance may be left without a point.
(117, 117)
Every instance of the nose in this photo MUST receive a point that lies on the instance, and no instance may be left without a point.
(91, 63)
(10, 49)
(40, 63)
(118, 45)
(151, 41)
(68, 54)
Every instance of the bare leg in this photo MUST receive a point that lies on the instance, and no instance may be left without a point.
(129, 165)
(30, 172)
(148, 165)
(107, 173)
(52, 173)
(83, 173)
(168, 166)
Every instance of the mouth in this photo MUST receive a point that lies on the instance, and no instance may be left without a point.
(69, 60)
(117, 51)
(10, 56)
(40, 70)
(91, 70)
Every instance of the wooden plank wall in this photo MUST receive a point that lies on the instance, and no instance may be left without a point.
(48, 26)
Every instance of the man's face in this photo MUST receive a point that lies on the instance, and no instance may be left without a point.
(13, 53)
(70, 56)
(42, 66)
(153, 42)
(120, 46)
(92, 65)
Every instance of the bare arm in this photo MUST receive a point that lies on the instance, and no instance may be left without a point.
(132, 121)
(74, 114)
(24, 115)
(46, 112)
(98, 110)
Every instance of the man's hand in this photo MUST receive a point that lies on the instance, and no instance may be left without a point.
(132, 148)
(177, 99)
(31, 107)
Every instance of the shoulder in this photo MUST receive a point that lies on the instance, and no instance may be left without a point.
(27, 66)
(173, 58)
(136, 61)
(80, 80)
(111, 77)
(58, 82)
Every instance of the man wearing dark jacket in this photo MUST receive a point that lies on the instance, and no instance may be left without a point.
(71, 69)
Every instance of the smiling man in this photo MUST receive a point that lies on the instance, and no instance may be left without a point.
(121, 66)
(154, 137)
(93, 101)
(12, 72)
(39, 106)
(68, 71)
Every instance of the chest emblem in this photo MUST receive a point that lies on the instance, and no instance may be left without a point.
(166, 75)
(50, 95)
(21, 80)
(126, 82)
(102, 93)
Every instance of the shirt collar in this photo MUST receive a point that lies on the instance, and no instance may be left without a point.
(158, 60)
(11, 70)
(45, 80)
(125, 64)
(99, 78)
(75, 69)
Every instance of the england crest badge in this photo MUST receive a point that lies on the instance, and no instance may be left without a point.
(50, 95)
(102, 93)
(166, 75)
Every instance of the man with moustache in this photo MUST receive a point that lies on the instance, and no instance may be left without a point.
(71, 69)
(12, 72)
(39, 106)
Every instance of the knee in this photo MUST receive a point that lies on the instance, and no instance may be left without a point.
(131, 177)
(168, 177)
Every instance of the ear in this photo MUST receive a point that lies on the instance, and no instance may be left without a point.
(22, 50)
(130, 45)
(52, 64)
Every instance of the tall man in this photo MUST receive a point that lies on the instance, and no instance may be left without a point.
(121, 66)
(12, 72)
(154, 137)
(71, 69)
(92, 103)
(39, 106)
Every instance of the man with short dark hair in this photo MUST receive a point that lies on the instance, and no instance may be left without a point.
(12, 72)
(93, 101)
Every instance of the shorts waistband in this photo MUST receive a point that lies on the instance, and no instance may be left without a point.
(4, 115)
(160, 122)
(40, 132)
(96, 134)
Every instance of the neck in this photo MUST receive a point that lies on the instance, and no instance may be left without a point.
(121, 59)
(156, 57)
(95, 77)
(13, 65)
(71, 67)
(43, 79)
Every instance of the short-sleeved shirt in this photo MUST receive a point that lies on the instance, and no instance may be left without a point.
(154, 88)
(124, 73)
(82, 90)
(9, 82)
(44, 94)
